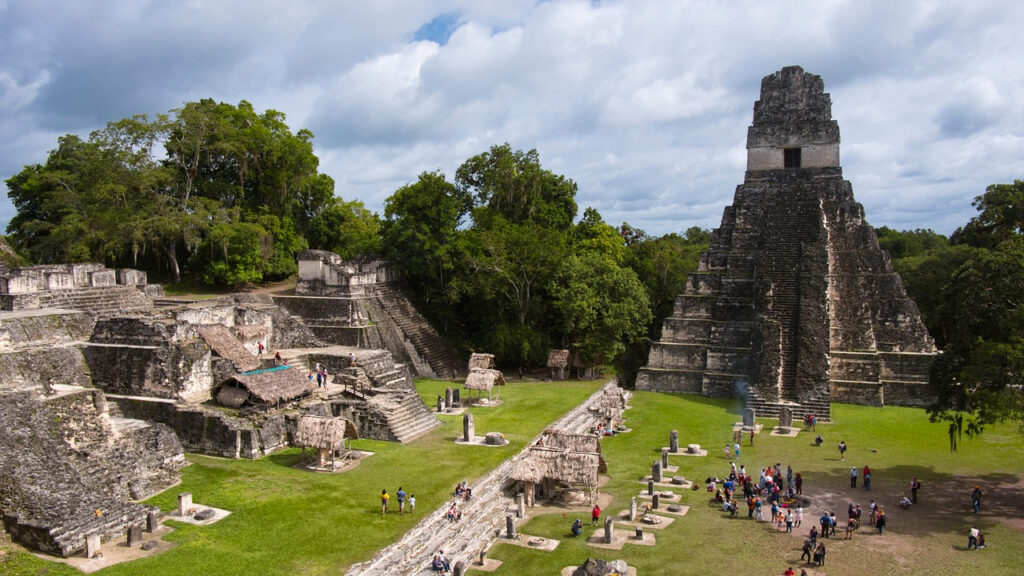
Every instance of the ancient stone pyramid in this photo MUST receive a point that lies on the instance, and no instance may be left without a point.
(794, 304)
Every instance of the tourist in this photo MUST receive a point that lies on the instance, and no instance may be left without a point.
(595, 515)
(906, 503)
(789, 572)
(758, 514)
(824, 521)
(737, 447)
(867, 477)
(851, 525)
(259, 348)
(872, 512)
(577, 527)
(384, 502)
(277, 358)
(808, 546)
(976, 499)
(813, 536)
(818, 440)
(789, 521)
(914, 487)
(752, 435)
(436, 565)
(444, 560)
(799, 516)
(972, 539)
(728, 452)
(819, 554)
(412, 503)
(880, 521)
(401, 500)
(319, 379)
(750, 506)
(842, 450)
(798, 481)
(853, 477)
(352, 359)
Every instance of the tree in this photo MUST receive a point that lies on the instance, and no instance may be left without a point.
(909, 243)
(348, 229)
(1000, 218)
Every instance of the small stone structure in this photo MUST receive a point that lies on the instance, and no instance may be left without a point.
(598, 567)
(560, 465)
(482, 380)
(89, 287)
(794, 303)
(558, 364)
(330, 437)
(785, 419)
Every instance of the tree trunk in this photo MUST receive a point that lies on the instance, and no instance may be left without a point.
(172, 257)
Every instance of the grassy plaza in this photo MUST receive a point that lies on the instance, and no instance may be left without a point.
(285, 520)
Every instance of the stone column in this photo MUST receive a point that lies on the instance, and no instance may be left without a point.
(639, 532)
(440, 403)
(520, 505)
(673, 441)
(448, 397)
(749, 417)
(92, 545)
(632, 509)
(664, 458)
(134, 535)
(650, 487)
(468, 429)
(656, 471)
(184, 503)
(483, 557)
(655, 500)
(152, 521)
(609, 530)
(785, 419)
(459, 569)
(456, 397)
(510, 527)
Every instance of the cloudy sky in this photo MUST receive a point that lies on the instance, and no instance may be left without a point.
(644, 104)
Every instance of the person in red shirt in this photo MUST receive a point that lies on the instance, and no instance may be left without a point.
(595, 514)
(867, 477)
(789, 572)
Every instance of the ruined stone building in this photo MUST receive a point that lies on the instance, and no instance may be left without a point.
(101, 393)
(794, 303)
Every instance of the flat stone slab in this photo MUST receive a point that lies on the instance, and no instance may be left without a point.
(682, 511)
(451, 411)
(665, 520)
(218, 515)
(790, 433)
(740, 426)
(667, 484)
(479, 441)
(340, 466)
(683, 452)
(619, 539)
(478, 404)
(673, 498)
(489, 565)
(569, 570)
(117, 552)
(539, 543)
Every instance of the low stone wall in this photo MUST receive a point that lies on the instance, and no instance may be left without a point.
(43, 367)
(19, 330)
(175, 370)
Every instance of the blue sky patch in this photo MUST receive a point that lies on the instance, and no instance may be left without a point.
(439, 29)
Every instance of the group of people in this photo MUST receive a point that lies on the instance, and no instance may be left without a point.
(865, 473)
(321, 376)
(401, 497)
(463, 491)
(440, 563)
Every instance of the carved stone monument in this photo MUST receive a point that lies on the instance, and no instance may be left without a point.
(185, 504)
(510, 527)
(785, 418)
(440, 403)
(656, 471)
(449, 397)
(794, 303)
(134, 535)
(664, 458)
(655, 501)
(632, 509)
(673, 441)
(92, 545)
(468, 429)
(520, 505)
(650, 487)
(609, 530)
(749, 419)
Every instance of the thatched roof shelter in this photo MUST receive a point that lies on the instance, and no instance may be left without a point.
(480, 379)
(252, 331)
(610, 404)
(324, 432)
(484, 361)
(224, 344)
(562, 440)
(542, 463)
(271, 386)
(558, 359)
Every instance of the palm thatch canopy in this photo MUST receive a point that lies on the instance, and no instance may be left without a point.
(484, 361)
(324, 433)
(280, 384)
(542, 463)
(558, 359)
(219, 338)
(563, 440)
(252, 331)
(481, 379)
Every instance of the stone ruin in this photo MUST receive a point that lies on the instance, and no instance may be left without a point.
(103, 393)
(357, 303)
(794, 303)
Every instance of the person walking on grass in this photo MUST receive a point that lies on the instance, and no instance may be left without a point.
(595, 515)
(384, 502)
(401, 500)
(842, 450)
(853, 477)
(867, 477)
(976, 499)
(914, 487)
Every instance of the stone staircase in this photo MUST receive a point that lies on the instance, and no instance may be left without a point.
(104, 301)
(483, 517)
(414, 328)
(407, 416)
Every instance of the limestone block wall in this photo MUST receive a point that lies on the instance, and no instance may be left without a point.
(178, 370)
(43, 367)
(26, 330)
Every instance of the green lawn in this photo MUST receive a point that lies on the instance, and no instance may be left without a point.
(288, 521)
(897, 443)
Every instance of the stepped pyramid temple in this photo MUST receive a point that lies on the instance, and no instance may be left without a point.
(794, 304)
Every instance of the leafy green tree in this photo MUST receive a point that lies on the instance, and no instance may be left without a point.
(1000, 218)
(909, 243)
(348, 229)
